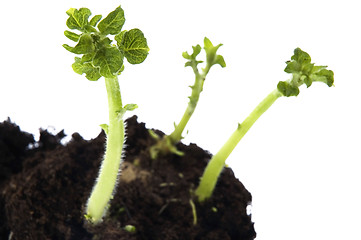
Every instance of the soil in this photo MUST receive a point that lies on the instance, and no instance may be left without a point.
(45, 184)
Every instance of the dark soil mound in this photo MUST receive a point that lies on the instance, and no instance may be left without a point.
(43, 190)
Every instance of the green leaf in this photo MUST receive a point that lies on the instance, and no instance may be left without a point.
(78, 19)
(325, 76)
(89, 29)
(94, 21)
(85, 45)
(91, 72)
(220, 61)
(301, 57)
(211, 52)
(193, 62)
(128, 107)
(292, 67)
(307, 80)
(113, 23)
(105, 42)
(287, 89)
(119, 38)
(121, 70)
(329, 75)
(72, 36)
(186, 55)
(134, 46)
(78, 66)
(109, 60)
(207, 43)
(318, 68)
(301, 62)
(196, 50)
(87, 57)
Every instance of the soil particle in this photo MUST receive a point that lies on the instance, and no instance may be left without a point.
(43, 190)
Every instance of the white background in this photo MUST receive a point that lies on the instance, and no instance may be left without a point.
(301, 159)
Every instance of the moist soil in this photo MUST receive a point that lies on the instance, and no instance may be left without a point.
(44, 186)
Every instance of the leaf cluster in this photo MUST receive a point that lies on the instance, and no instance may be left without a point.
(211, 55)
(99, 56)
(303, 72)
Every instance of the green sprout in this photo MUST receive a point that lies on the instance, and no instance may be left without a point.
(303, 72)
(130, 228)
(167, 143)
(101, 58)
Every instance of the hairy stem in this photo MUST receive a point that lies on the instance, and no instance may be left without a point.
(216, 164)
(106, 181)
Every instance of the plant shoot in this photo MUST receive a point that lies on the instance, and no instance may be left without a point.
(99, 57)
(167, 143)
(303, 72)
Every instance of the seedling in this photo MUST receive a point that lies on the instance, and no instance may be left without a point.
(303, 72)
(101, 58)
(167, 143)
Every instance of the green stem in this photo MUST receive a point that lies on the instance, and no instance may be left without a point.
(106, 181)
(216, 164)
(197, 88)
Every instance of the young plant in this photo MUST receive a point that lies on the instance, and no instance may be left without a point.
(167, 143)
(303, 72)
(101, 58)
